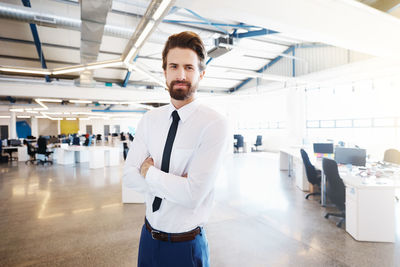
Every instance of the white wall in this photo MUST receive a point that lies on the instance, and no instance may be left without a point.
(98, 124)
(47, 127)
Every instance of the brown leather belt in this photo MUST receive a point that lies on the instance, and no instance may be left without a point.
(179, 237)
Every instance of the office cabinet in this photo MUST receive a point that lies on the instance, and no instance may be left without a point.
(370, 213)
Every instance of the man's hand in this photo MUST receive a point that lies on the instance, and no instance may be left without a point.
(147, 163)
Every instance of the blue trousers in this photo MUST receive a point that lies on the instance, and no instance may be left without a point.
(156, 253)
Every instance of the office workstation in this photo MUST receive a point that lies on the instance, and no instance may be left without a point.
(311, 173)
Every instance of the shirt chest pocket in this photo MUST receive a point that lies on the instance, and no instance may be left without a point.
(180, 160)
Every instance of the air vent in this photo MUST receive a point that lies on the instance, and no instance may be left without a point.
(44, 19)
(222, 46)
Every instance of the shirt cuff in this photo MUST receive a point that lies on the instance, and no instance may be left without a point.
(152, 179)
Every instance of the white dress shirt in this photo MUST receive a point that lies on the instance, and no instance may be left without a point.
(200, 145)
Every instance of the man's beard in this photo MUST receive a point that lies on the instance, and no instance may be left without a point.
(181, 93)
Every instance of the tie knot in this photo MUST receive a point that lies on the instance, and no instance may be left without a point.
(175, 116)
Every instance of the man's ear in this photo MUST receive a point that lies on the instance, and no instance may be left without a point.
(202, 74)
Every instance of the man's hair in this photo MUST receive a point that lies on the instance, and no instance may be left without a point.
(186, 40)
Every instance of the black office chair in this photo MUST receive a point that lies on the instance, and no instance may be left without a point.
(98, 138)
(313, 175)
(126, 150)
(76, 141)
(32, 154)
(42, 150)
(335, 190)
(3, 159)
(258, 142)
(392, 156)
(239, 142)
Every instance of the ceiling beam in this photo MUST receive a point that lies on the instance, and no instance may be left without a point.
(38, 44)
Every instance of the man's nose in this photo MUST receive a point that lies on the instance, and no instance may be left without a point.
(181, 75)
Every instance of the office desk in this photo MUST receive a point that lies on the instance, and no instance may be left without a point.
(370, 207)
(97, 156)
(22, 152)
(290, 160)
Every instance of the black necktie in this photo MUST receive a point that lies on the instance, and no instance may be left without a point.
(167, 153)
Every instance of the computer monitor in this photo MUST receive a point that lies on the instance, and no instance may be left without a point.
(353, 156)
(324, 148)
(14, 142)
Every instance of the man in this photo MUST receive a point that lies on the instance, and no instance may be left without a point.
(174, 160)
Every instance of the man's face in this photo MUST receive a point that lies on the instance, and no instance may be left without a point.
(182, 73)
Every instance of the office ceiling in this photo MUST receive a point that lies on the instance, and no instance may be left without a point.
(62, 44)
(275, 27)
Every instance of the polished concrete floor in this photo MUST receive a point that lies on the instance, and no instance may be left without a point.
(73, 216)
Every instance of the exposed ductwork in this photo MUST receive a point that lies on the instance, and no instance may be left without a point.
(30, 15)
(93, 17)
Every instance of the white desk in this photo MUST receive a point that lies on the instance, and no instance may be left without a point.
(22, 152)
(97, 156)
(290, 160)
(370, 208)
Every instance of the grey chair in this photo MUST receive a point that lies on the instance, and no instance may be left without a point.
(335, 190)
(392, 156)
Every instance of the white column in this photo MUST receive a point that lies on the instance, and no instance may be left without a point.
(296, 116)
(34, 127)
(13, 126)
(59, 127)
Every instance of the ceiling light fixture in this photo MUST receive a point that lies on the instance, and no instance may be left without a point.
(50, 100)
(104, 64)
(5, 117)
(25, 70)
(161, 9)
(81, 101)
(67, 70)
(23, 117)
(109, 102)
(16, 109)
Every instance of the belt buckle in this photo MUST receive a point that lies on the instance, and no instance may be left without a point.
(153, 233)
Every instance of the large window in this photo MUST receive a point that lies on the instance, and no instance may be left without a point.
(365, 114)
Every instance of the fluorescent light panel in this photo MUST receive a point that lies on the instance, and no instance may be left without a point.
(81, 101)
(109, 102)
(23, 117)
(144, 33)
(161, 8)
(25, 70)
(16, 109)
(5, 117)
(68, 70)
(50, 100)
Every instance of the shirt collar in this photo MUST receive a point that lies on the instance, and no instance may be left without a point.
(185, 111)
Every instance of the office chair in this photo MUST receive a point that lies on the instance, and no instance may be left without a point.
(313, 175)
(258, 142)
(32, 154)
(392, 156)
(336, 191)
(126, 150)
(76, 141)
(98, 138)
(42, 151)
(239, 142)
(3, 159)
